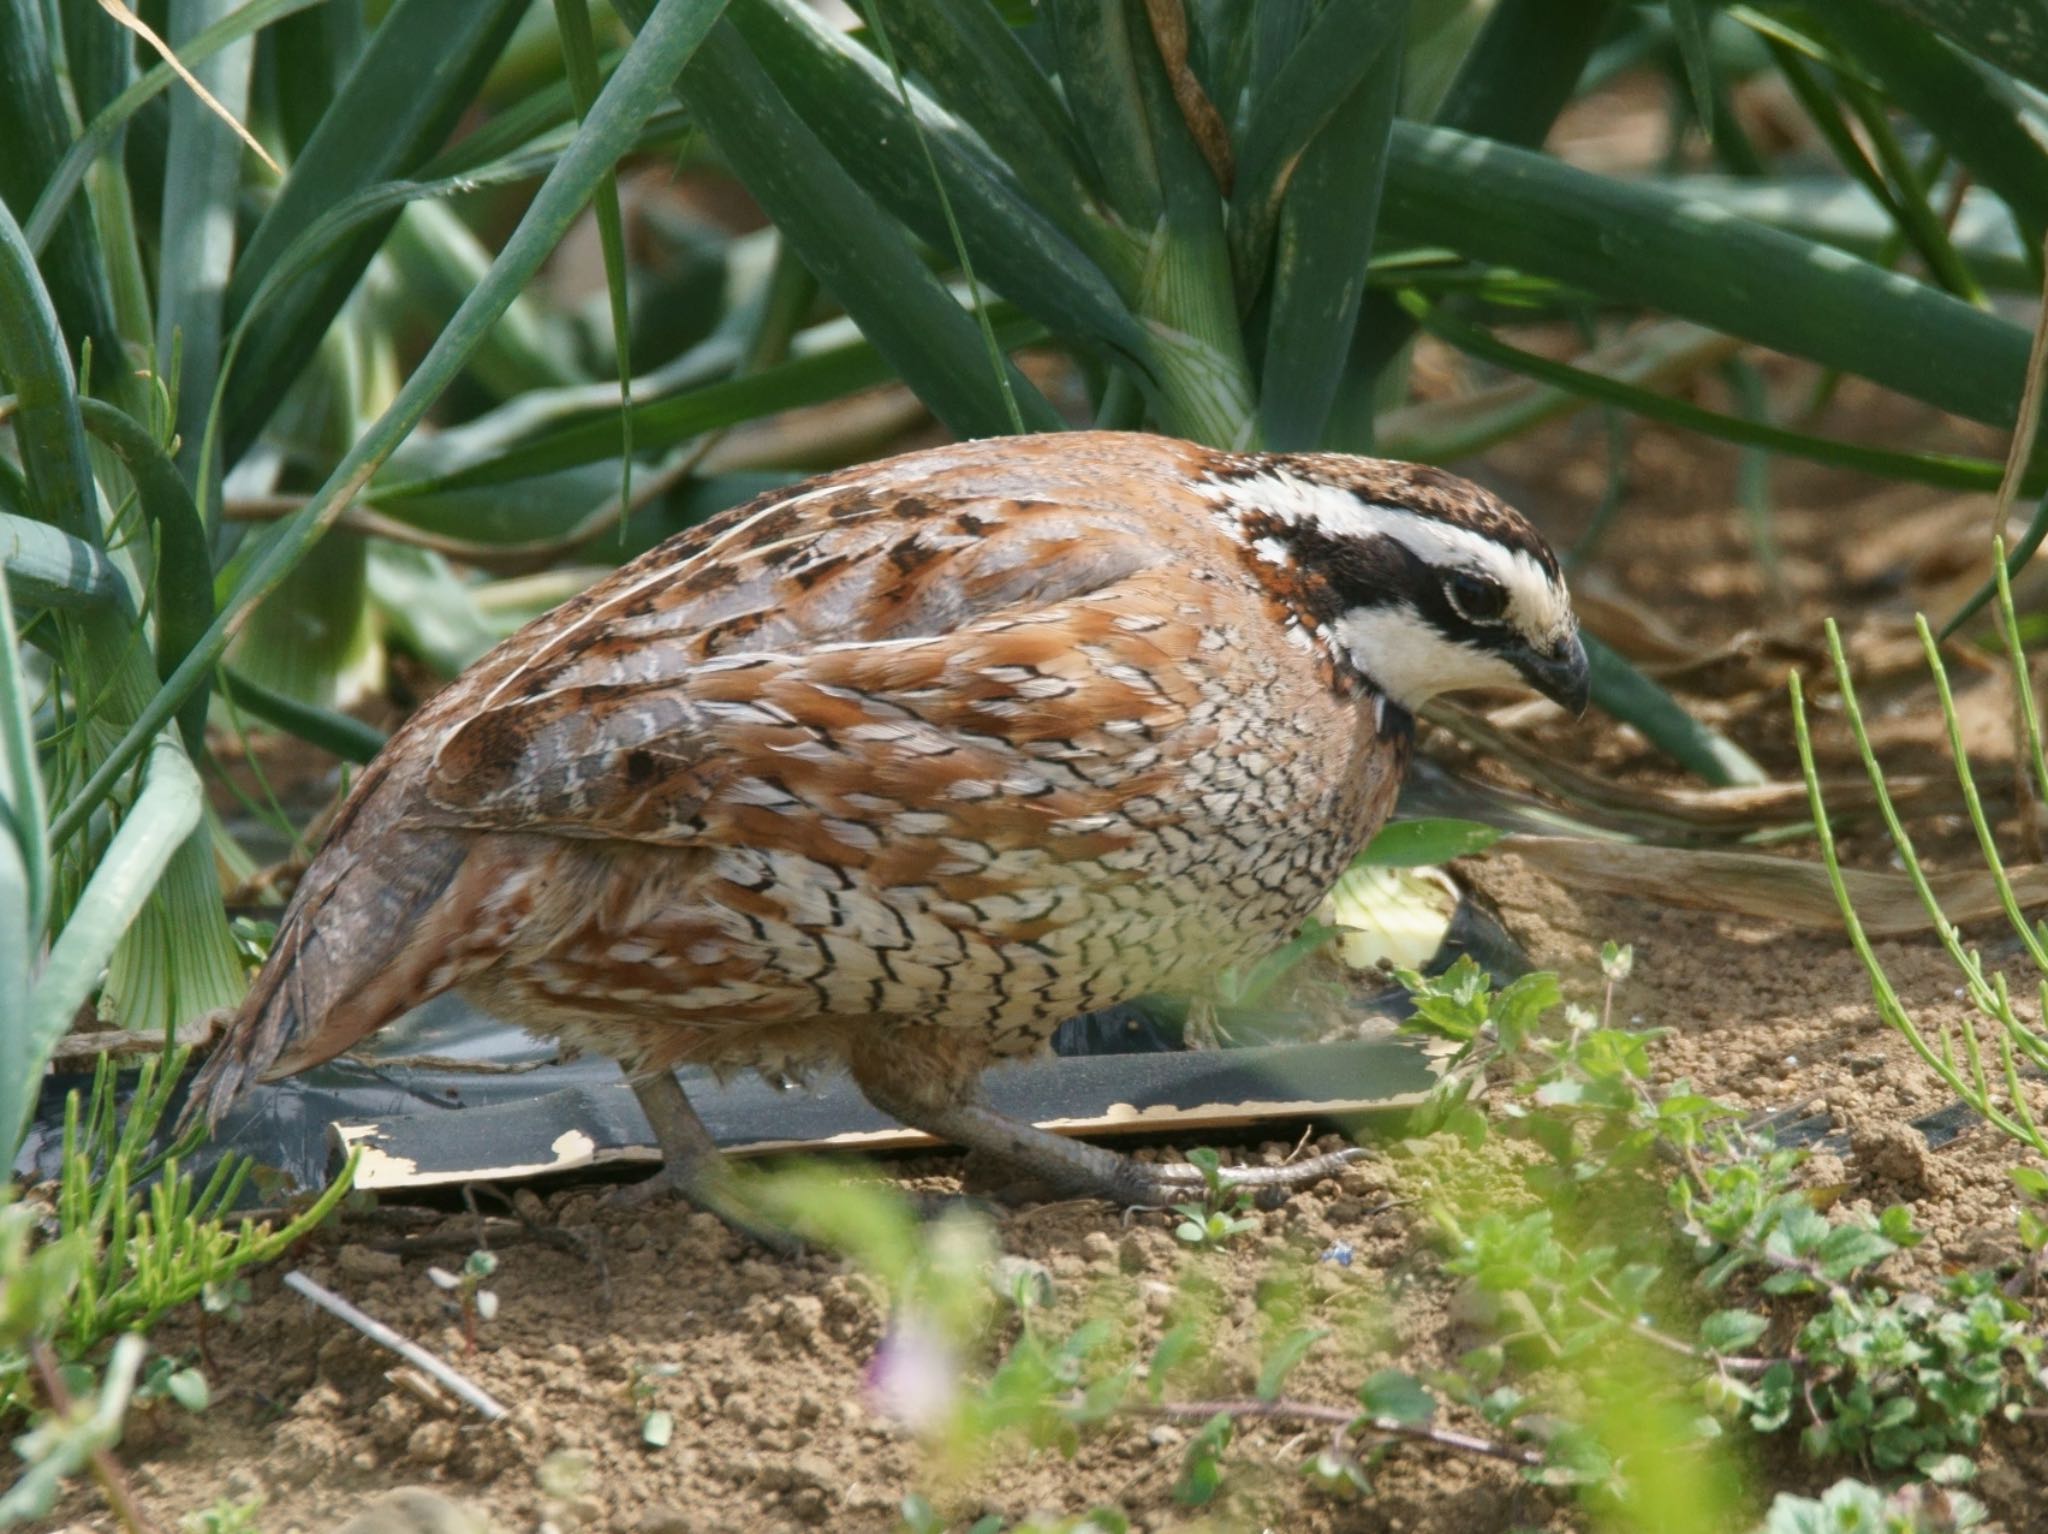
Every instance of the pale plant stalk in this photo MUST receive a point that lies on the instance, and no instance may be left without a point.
(1969, 1077)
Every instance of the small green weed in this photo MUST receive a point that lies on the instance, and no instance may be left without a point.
(1628, 1289)
(225, 1516)
(1222, 1214)
(471, 1300)
(1896, 1381)
(1981, 1059)
(103, 1262)
(643, 1386)
(1851, 1507)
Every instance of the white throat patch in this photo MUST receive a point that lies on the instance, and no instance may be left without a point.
(1410, 661)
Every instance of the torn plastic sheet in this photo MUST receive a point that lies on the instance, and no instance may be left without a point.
(463, 1096)
(1195, 1092)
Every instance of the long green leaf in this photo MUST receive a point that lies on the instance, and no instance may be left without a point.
(579, 50)
(1923, 224)
(418, 75)
(972, 60)
(104, 131)
(1634, 243)
(350, 739)
(33, 131)
(2010, 34)
(48, 432)
(1689, 20)
(856, 251)
(847, 98)
(1973, 111)
(1825, 113)
(99, 54)
(308, 57)
(1325, 241)
(1523, 68)
(1350, 40)
(1516, 78)
(196, 239)
(1098, 47)
(1202, 381)
(1276, 29)
(183, 565)
(1835, 211)
(957, 242)
(178, 958)
(164, 815)
(1421, 843)
(672, 33)
(1947, 470)
(1633, 698)
(22, 843)
(47, 568)
(1888, 178)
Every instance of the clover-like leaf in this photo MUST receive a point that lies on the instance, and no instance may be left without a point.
(1398, 1395)
(1729, 1331)
(1848, 1248)
(1287, 1353)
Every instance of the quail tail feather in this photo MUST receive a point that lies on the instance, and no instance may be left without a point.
(356, 948)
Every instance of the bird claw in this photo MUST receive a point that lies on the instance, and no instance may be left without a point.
(1173, 1183)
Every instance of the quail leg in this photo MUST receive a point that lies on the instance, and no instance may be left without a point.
(692, 1164)
(1073, 1165)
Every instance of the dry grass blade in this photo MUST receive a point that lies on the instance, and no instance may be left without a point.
(2020, 452)
(1779, 889)
(143, 30)
(113, 1480)
(1169, 20)
(1676, 810)
(79, 1050)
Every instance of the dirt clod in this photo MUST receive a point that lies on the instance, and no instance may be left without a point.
(415, 1510)
(364, 1262)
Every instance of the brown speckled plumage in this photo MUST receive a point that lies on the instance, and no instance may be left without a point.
(900, 767)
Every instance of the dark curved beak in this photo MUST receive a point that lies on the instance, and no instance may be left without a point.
(1561, 675)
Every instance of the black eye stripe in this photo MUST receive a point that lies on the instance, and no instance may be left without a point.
(1476, 598)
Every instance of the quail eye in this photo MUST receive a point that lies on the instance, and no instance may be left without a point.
(1475, 597)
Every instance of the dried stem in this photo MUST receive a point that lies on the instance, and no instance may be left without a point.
(113, 1480)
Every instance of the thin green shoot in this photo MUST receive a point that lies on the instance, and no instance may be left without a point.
(1955, 1053)
(1973, 803)
(978, 304)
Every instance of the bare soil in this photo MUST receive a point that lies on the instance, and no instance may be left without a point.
(763, 1361)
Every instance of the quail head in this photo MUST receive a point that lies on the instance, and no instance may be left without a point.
(899, 768)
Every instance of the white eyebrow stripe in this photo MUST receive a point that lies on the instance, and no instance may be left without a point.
(1535, 595)
(1342, 514)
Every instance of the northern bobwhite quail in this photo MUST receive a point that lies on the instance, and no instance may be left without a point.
(903, 766)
